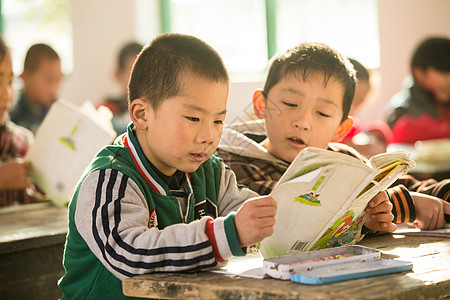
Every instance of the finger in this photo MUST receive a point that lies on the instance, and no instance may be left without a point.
(265, 211)
(263, 201)
(383, 207)
(424, 224)
(382, 217)
(388, 226)
(434, 221)
(267, 222)
(380, 226)
(268, 231)
(379, 198)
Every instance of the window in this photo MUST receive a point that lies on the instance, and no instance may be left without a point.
(246, 33)
(349, 26)
(235, 28)
(27, 22)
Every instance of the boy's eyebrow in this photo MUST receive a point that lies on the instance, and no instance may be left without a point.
(202, 110)
(300, 93)
(329, 101)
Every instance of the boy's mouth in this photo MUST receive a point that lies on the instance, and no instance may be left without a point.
(296, 141)
(197, 157)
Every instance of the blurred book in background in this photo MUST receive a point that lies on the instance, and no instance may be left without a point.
(65, 143)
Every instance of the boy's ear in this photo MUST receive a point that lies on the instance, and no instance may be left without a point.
(343, 129)
(259, 104)
(139, 110)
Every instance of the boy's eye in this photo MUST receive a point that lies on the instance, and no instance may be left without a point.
(218, 122)
(192, 119)
(323, 114)
(288, 104)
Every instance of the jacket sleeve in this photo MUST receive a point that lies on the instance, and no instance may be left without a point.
(112, 216)
(403, 204)
(440, 189)
(231, 197)
(250, 174)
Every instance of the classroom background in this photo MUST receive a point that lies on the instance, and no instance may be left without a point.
(88, 34)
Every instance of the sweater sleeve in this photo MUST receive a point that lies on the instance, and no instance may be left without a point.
(112, 217)
(231, 197)
(403, 204)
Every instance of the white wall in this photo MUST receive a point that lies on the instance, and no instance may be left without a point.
(100, 27)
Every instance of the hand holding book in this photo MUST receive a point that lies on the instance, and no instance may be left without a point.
(322, 198)
(379, 213)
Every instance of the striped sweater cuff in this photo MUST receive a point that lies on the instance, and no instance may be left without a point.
(403, 210)
(223, 237)
(233, 241)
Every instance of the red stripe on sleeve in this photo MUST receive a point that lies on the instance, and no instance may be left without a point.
(209, 230)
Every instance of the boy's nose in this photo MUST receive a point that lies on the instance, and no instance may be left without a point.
(302, 122)
(206, 135)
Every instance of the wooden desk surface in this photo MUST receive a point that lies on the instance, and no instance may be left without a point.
(32, 238)
(430, 278)
(31, 225)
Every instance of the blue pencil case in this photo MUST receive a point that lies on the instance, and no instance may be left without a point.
(325, 273)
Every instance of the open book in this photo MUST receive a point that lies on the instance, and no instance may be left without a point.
(65, 143)
(322, 196)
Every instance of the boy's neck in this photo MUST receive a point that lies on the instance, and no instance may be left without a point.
(174, 181)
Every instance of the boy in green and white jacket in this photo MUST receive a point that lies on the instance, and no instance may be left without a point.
(156, 200)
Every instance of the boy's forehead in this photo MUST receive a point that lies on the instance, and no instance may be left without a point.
(295, 79)
(48, 63)
(202, 95)
(333, 89)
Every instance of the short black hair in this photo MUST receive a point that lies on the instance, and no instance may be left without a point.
(434, 53)
(128, 50)
(308, 59)
(36, 53)
(362, 74)
(163, 64)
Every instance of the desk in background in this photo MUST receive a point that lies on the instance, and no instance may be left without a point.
(430, 278)
(432, 158)
(32, 238)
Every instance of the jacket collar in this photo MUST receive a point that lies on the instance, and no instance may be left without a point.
(142, 165)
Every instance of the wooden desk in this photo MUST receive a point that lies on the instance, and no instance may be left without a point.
(32, 238)
(430, 278)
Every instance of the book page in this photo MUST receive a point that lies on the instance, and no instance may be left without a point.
(65, 143)
(347, 228)
(311, 195)
(383, 160)
(389, 166)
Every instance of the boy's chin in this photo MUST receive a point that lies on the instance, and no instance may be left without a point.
(190, 168)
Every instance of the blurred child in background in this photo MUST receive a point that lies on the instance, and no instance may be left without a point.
(421, 110)
(371, 137)
(41, 80)
(119, 104)
(14, 140)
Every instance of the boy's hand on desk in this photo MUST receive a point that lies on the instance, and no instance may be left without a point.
(255, 219)
(429, 211)
(380, 213)
(13, 175)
